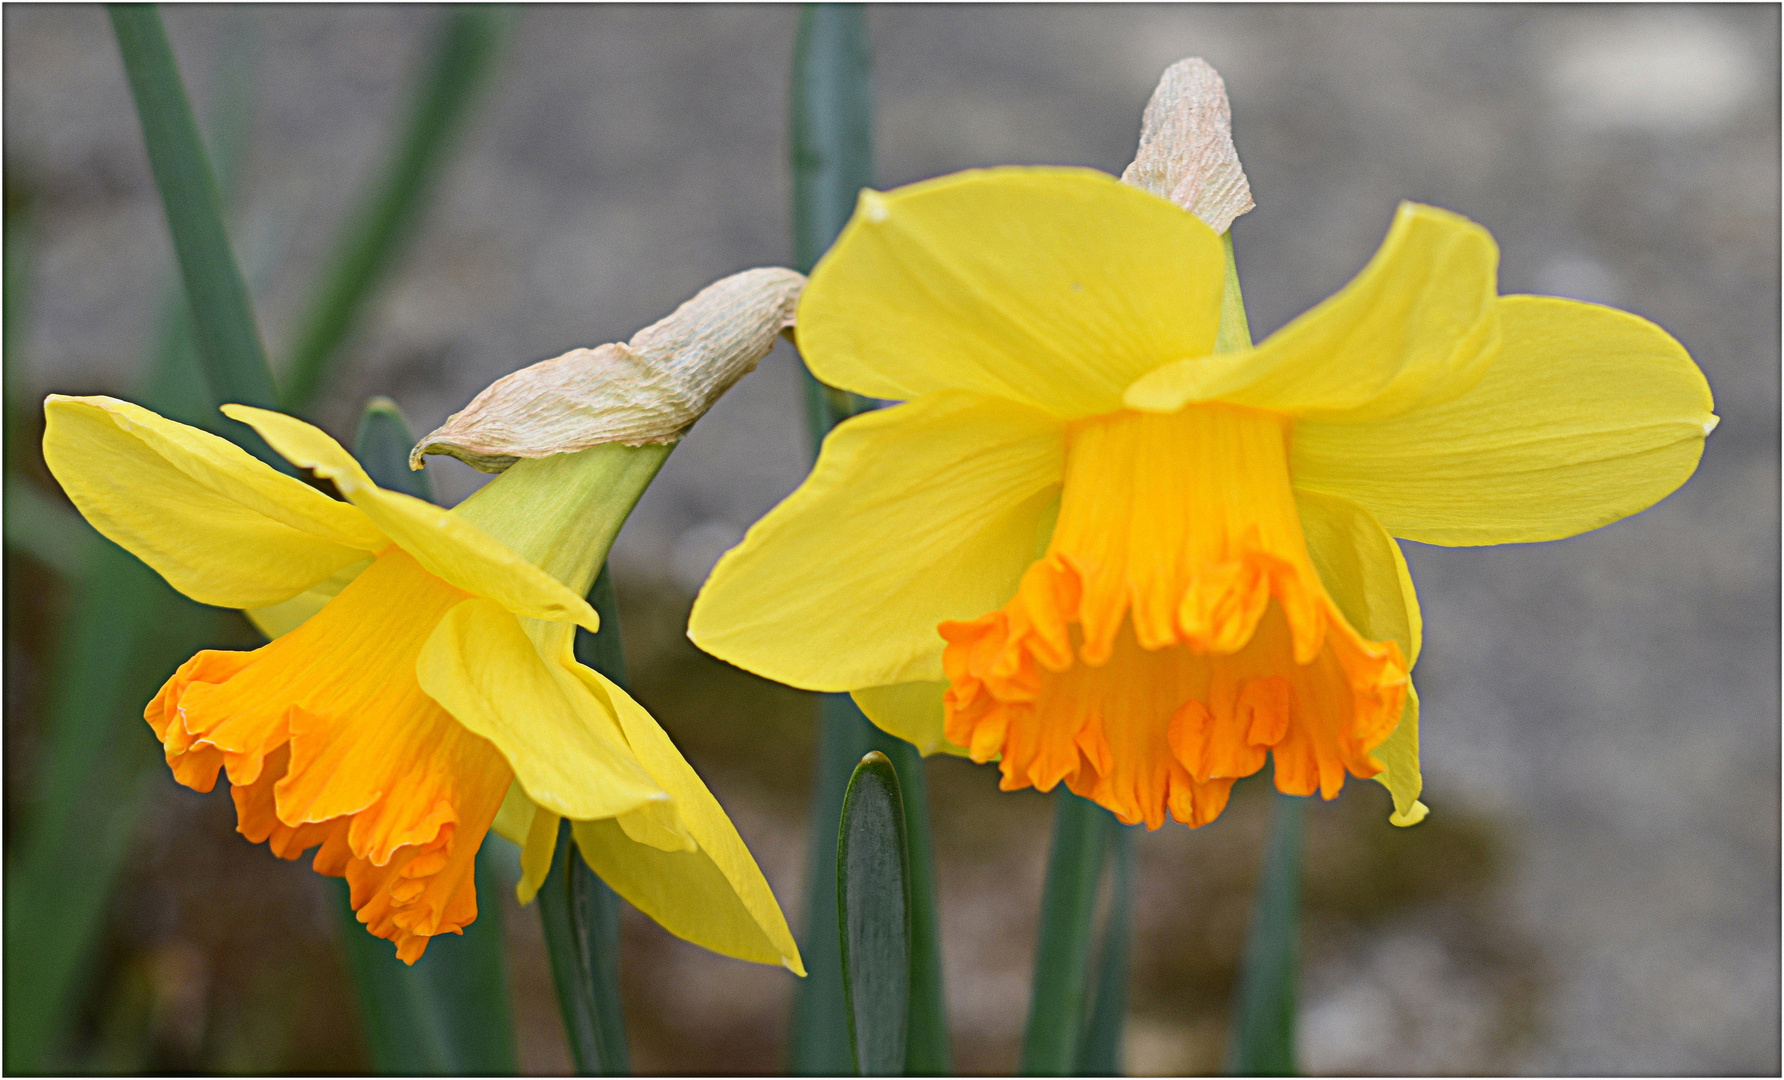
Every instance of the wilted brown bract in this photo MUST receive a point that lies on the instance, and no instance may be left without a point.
(647, 390)
(1186, 149)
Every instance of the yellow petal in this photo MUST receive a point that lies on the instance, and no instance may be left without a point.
(912, 711)
(1416, 323)
(1399, 757)
(714, 896)
(514, 821)
(220, 526)
(1365, 574)
(1363, 570)
(913, 515)
(448, 546)
(276, 620)
(565, 749)
(1586, 415)
(536, 852)
(1054, 287)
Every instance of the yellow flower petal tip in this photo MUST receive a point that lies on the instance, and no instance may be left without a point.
(1411, 817)
(1142, 568)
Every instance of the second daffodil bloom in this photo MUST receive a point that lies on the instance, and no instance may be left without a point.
(1107, 541)
(420, 685)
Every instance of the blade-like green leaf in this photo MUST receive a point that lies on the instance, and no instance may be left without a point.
(448, 1013)
(580, 914)
(1056, 1009)
(1263, 1040)
(126, 633)
(223, 325)
(873, 917)
(464, 52)
(1100, 1052)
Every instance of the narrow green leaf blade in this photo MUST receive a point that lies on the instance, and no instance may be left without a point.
(873, 917)
(1056, 1008)
(223, 323)
(1100, 1052)
(579, 912)
(1263, 1041)
(464, 52)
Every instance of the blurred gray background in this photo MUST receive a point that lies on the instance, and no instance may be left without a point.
(1601, 733)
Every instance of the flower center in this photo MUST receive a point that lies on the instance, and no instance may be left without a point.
(1174, 633)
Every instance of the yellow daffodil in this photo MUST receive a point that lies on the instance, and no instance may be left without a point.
(420, 686)
(1107, 541)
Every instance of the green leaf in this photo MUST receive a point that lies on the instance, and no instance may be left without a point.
(1263, 1041)
(578, 911)
(125, 634)
(1056, 1008)
(1100, 1052)
(464, 53)
(223, 325)
(447, 1013)
(873, 917)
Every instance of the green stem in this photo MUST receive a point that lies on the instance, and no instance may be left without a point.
(1056, 1008)
(579, 912)
(1264, 1022)
(832, 134)
(1100, 1052)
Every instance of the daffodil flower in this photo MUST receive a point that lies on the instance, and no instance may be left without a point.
(1107, 541)
(420, 686)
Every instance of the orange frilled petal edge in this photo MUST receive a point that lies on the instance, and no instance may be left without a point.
(328, 739)
(1175, 633)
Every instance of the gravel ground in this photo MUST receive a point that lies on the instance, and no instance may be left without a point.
(1602, 711)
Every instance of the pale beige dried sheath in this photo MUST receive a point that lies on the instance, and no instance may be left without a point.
(647, 390)
(1186, 151)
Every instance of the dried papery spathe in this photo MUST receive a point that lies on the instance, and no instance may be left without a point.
(648, 390)
(1186, 151)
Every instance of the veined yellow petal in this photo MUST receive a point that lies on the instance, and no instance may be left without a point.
(714, 896)
(1416, 324)
(1363, 570)
(1053, 287)
(565, 749)
(220, 526)
(1587, 415)
(915, 514)
(1399, 757)
(912, 711)
(276, 620)
(448, 546)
